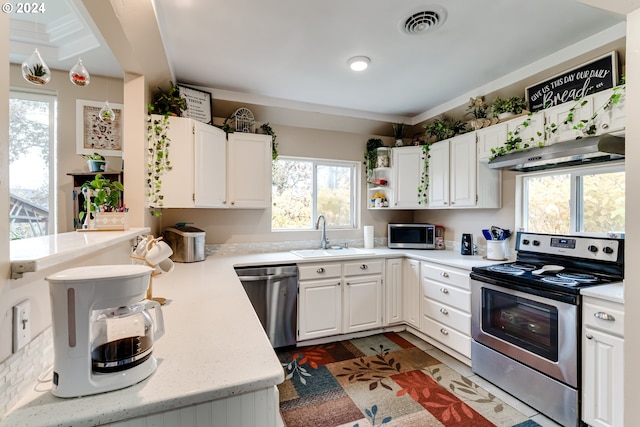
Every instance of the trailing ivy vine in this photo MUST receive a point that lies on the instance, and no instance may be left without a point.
(158, 162)
(423, 193)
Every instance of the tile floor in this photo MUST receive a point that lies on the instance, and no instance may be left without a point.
(466, 371)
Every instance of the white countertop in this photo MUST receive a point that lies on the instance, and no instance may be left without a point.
(38, 253)
(214, 345)
(613, 292)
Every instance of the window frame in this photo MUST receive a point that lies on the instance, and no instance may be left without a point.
(576, 173)
(355, 169)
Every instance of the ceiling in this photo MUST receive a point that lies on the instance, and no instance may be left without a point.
(297, 51)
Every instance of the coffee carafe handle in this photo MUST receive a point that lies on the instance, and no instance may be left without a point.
(159, 323)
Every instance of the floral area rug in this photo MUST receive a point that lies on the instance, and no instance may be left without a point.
(383, 380)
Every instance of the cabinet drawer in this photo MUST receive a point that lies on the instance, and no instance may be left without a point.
(447, 336)
(594, 315)
(447, 275)
(318, 271)
(448, 316)
(362, 267)
(448, 295)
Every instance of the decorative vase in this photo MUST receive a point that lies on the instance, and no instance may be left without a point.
(399, 142)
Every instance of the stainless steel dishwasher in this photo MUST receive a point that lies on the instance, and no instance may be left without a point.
(273, 291)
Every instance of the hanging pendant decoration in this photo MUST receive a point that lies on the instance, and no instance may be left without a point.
(35, 70)
(79, 75)
(107, 114)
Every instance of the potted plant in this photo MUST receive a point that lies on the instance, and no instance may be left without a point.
(398, 133)
(477, 109)
(507, 107)
(100, 194)
(371, 155)
(444, 128)
(168, 102)
(95, 161)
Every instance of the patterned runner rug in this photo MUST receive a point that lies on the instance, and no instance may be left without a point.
(383, 380)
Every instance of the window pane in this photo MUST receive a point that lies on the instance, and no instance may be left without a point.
(291, 192)
(548, 202)
(334, 194)
(603, 202)
(29, 142)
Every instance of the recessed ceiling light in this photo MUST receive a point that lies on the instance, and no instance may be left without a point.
(358, 63)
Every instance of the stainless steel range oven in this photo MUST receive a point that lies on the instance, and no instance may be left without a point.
(526, 318)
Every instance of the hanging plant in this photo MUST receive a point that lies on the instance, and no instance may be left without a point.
(371, 156)
(158, 162)
(423, 188)
(266, 128)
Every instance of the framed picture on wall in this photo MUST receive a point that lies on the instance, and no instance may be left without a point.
(198, 104)
(93, 135)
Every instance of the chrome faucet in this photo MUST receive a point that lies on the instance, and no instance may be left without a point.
(324, 243)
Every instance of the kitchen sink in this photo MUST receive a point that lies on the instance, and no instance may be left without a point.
(331, 252)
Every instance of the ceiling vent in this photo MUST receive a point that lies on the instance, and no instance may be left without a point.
(424, 21)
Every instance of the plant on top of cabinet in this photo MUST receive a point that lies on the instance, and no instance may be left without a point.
(423, 188)
(168, 102)
(267, 129)
(503, 108)
(398, 133)
(444, 128)
(371, 155)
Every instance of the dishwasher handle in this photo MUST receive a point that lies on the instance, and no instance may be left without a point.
(266, 277)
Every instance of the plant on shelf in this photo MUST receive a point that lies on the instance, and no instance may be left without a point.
(95, 161)
(226, 127)
(444, 128)
(267, 129)
(423, 193)
(477, 108)
(371, 156)
(398, 132)
(508, 107)
(100, 193)
(168, 102)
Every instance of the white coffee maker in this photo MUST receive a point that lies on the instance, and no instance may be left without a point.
(103, 332)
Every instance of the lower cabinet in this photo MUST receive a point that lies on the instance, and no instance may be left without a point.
(411, 292)
(393, 301)
(603, 363)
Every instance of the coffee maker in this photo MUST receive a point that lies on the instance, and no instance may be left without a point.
(103, 332)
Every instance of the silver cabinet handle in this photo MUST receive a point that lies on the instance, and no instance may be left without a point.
(320, 270)
(604, 316)
(605, 126)
(364, 267)
(444, 290)
(589, 336)
(444, 274)
(443, 331)
(444, 311)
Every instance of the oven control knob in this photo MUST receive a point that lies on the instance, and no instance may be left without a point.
(607, 250)
(536, 243)
(525, 241)
(592, 248)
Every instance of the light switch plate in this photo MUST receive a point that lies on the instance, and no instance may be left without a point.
(21, 325)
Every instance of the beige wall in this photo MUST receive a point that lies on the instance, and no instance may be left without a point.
(100, 89)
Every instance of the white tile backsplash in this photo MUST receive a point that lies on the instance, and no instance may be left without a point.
(284, 246)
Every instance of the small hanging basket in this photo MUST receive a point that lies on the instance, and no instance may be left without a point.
(243, 120)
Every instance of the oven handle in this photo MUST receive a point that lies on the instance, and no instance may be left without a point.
(604, 316)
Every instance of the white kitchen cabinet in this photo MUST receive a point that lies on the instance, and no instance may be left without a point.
(411, 292)
(612, 119)
(530, 134)
(319, 300)
(362, 295)
(439, 175)
(407, 166)
(452, 172)
(491, 137)
(198, 165)
(603, 363)
(248, 170)
(393, 291)
(559, 113)
(446, 306)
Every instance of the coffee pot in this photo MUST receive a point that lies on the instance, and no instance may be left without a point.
(103, 328)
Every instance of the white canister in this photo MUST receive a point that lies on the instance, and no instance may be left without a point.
(496, 249)
(368, 236)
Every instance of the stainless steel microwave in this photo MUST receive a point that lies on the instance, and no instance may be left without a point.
(411, 236)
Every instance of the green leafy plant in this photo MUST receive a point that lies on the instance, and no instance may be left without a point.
(266, 128)
(477, 108)
(38, 70)
(158, 162)
(168, 102)
(423, 193)
(398, 130)
(515, 142)
(94, 156)
(103, 193)
(371, 155)
(588, 126)
(444, 128)
(226, 127)
(515, 105)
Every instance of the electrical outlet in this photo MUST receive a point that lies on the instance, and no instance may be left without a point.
(21, 325)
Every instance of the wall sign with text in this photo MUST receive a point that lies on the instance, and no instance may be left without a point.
(595, 76)
(198, 104)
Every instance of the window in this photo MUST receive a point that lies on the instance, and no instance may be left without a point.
(582, 200)
(31, 164)
(302, 189)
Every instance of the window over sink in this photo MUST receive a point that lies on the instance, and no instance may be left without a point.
(303, 188)
(587, 200)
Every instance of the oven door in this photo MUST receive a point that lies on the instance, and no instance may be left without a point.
(539, 332)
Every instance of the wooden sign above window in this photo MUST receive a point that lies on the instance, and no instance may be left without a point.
(595, 76)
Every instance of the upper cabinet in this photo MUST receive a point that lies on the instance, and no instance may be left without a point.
(408, 167)
(209, 171)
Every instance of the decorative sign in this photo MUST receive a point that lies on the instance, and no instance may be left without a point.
(595, 76)
(94, 135)
(198, 104)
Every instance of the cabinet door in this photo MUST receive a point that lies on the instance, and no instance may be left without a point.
(463, 163)
(210, 166)
(531, 134)
(558, 114)
(407, 168)
(319, 308)
(612, 119)
(492, 137)
(393, 291)
(248, 170)
(362, 303)
(439, 175)
(411, 292)
(603, 377)
(178, 184)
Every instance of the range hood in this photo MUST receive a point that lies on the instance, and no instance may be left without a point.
(594, 149)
